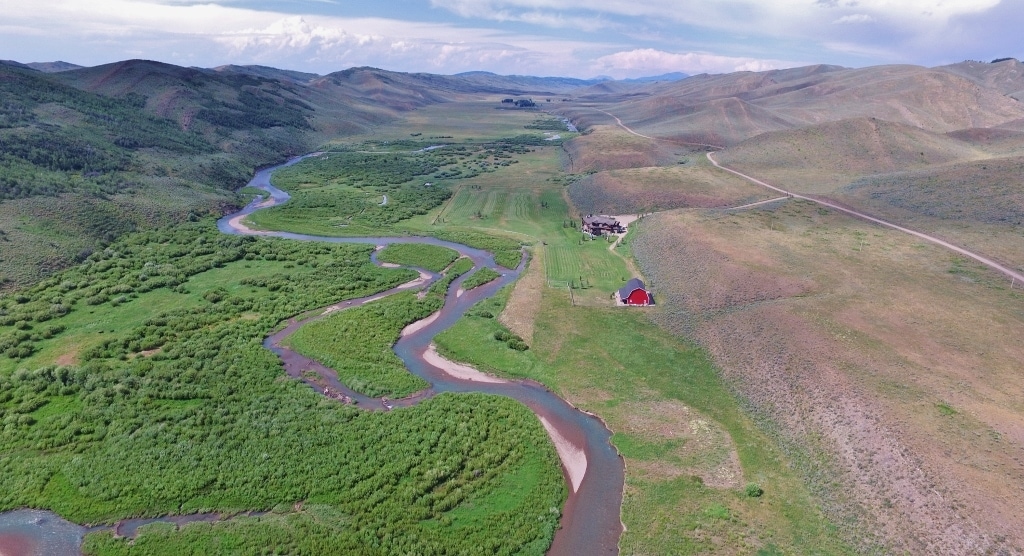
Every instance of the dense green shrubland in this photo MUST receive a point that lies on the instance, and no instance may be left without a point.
(344, 188)
(507, 252)
(430, 257)
(480, 277)
(357, 344)
(201, 413)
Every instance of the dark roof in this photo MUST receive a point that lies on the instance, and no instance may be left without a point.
(600, 220)
(632, 285)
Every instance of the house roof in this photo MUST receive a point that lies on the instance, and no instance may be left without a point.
(631, 286)
(600, 219)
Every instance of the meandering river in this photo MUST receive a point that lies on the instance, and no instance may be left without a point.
(592, 468)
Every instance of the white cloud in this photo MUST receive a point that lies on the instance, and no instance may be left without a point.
(809, 21)
(626, 37)
(211, 34)
(648, 61)
(854, 18)
(695, 11)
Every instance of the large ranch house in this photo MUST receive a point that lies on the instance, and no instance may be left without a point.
(601, 224)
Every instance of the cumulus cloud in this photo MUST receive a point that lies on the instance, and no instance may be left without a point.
(854, 18)
(211, 34)
(625, 38)
(649, 61)
(922, 23)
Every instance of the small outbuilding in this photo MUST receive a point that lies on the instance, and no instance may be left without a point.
(635, 293)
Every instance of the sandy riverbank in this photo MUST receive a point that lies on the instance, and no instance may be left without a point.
(458, 370)
(236, 223)
(419, 325)
(573, 458)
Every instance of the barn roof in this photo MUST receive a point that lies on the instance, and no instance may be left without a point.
(601, 219)
(630, 287)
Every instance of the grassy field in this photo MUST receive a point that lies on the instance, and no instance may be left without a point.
(880, 364)
(691, 450)
(472, 120)
(691, 182)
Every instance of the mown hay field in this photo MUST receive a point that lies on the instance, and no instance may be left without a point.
(880, 363)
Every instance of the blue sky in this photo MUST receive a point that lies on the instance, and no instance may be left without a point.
(618, 38)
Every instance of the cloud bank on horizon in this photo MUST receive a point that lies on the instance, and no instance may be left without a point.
(617, 38)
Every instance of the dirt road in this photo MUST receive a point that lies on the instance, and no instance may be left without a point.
(1017, 276)
(971, 254)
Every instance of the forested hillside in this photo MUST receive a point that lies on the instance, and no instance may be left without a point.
(88, 154)
(79, 168)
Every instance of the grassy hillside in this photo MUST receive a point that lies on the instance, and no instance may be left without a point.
(78, 169)
(884, 366)
(91, 153)
(821, 158)
(691, 182)
(726, 109)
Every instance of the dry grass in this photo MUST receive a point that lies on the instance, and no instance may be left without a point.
(609, 147)
(727, 109)
(694, 183)
(823, 158)
(965, 188)
(695, 445)
(886, 362)
(524, 302)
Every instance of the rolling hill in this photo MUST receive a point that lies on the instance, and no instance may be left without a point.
(730, 108)
(1005, 76)
(91, 153)
(821, 158)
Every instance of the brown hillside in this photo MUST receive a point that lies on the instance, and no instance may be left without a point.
(1006, 77)
(984, 191)
(608, 147)
(693, 183)
(994, 140)
(723, 121)
(821, 158)
(741, 105)
(929, 99)
(890, 363)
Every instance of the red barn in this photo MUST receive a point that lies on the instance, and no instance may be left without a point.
(634, 293)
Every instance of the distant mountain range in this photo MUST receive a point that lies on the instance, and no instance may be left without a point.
(525, 83)
(112, 138)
